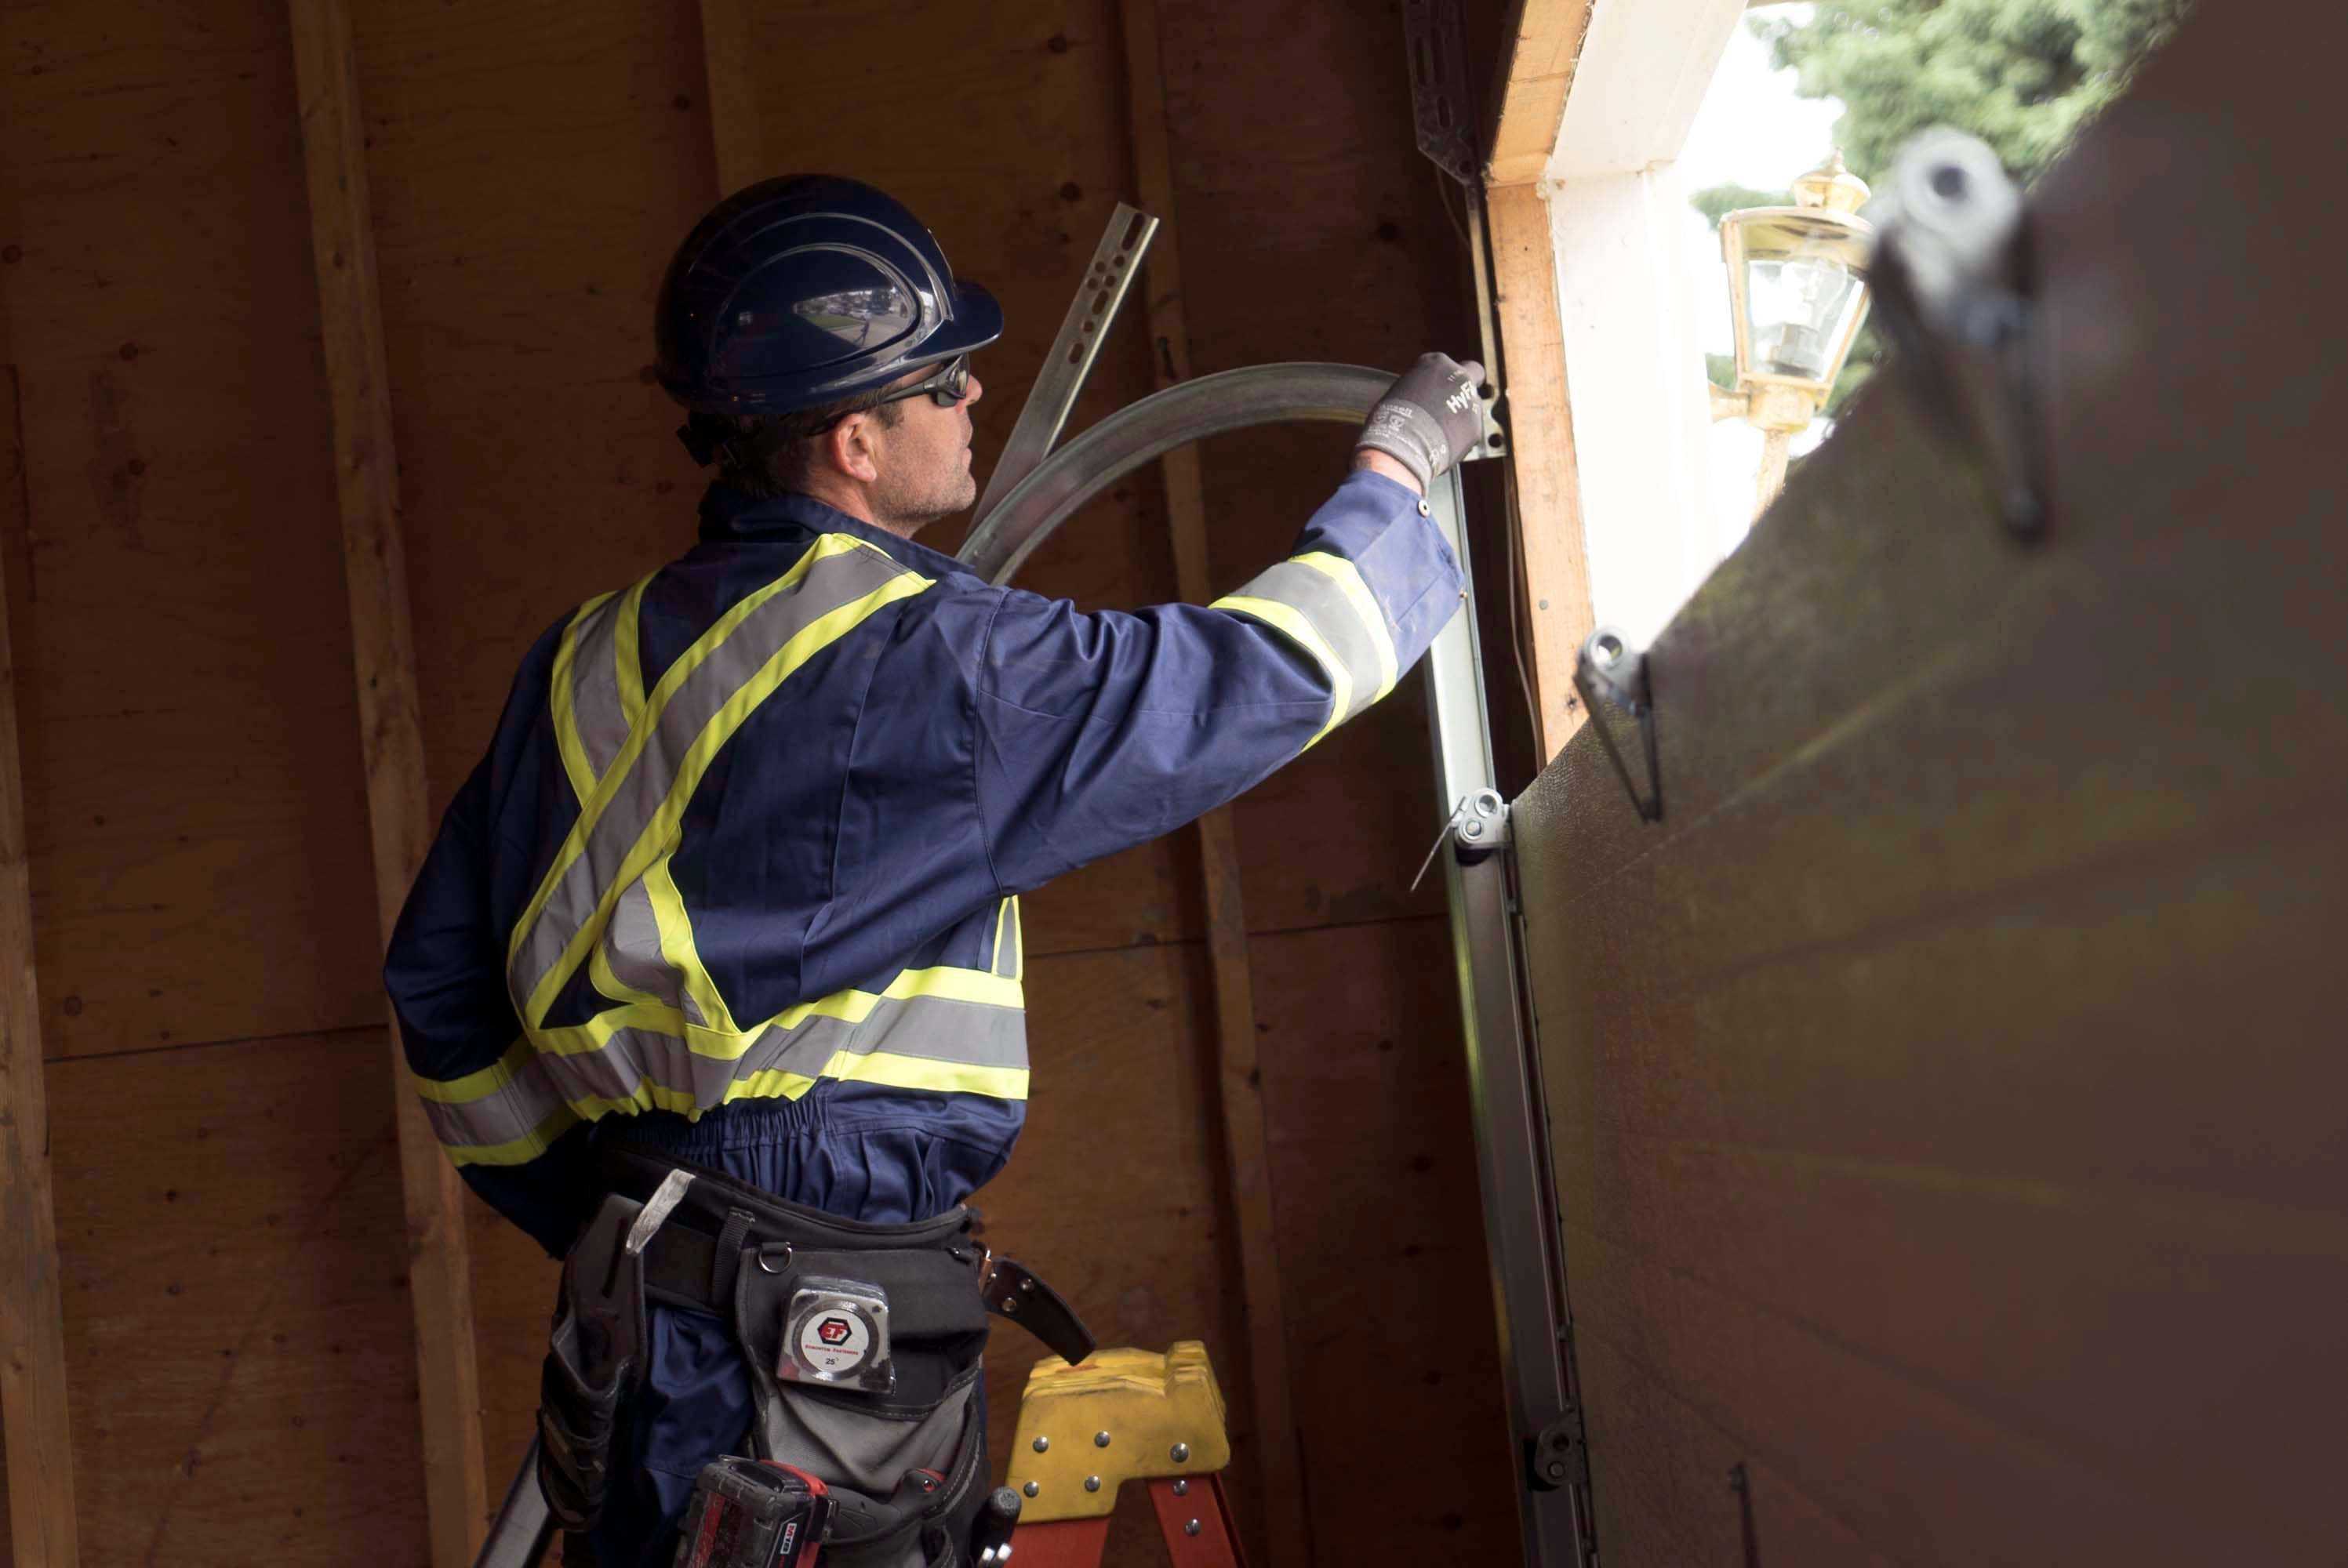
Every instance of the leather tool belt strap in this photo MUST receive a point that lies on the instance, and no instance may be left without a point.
(940, 1279)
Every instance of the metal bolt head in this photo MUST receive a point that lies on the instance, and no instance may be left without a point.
(1101, 1440)
(1471, 829)
(1031, 1488)
(1092, 1483)
(1043, 1445)
(1179, 1452)
(1191, 1528)
(1182, 1486)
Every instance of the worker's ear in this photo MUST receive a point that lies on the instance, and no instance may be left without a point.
(850, 447)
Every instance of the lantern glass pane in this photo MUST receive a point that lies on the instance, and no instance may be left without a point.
(1801, 306)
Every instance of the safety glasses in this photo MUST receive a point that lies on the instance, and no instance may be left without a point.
(948, 385)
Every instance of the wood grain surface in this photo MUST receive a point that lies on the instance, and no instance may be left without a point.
(390, 742)
(196, 813)
(1262, 1378)
(1946, 1092)
(35, 1423)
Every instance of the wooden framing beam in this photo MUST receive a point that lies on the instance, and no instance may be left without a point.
(366, 476)
(42, 1526)
(1541, 462)
(1288, 1536)
(1537, 65)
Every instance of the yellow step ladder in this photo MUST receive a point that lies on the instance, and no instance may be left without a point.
(1117, 1416)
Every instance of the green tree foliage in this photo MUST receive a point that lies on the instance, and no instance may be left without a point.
(2022, 75)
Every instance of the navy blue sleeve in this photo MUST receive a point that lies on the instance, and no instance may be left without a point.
(1098, 732)
(445, 970)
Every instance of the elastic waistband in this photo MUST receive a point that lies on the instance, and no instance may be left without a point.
(714, 1197)
(746, 1123)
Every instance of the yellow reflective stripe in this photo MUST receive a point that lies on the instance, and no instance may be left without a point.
(478, 1085)
(850, 1006)
(591, 807)
(627, 662)
(1365, 604)
(921, 1072)
(1006, 926)
(1290, 622)
(797, 650)
(521, 1151)
(580, 772)
(677, 947)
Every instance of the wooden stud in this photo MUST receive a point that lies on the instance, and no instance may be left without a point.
(32, 1316)
(1244, 1150)
(735, 128)
(1543, 47)
(368, 481)
(1542, 464)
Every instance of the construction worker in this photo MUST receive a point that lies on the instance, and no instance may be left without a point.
(735, 891)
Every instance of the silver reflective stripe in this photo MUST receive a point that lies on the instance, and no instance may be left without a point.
(1365, 650)
(501, 1120)
(601, 726)
(1006, 940)
(632, 946)
(929, 1029)
(629, 804)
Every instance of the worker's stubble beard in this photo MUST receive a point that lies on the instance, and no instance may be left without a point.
(908, 498)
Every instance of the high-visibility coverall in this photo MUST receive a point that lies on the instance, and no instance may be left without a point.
(738, 878)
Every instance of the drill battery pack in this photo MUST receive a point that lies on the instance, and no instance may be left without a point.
(753, 1513)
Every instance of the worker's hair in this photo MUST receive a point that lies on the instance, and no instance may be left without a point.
(768, 454)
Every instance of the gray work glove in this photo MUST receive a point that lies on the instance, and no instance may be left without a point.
(1429, 418)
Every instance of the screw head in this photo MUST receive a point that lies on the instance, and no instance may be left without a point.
(1182, 1487)
(1471, 830)
(1031, 1488)
(1043, 1445)
(1179, 1452)
(1191, 1528)
(1092, 1483)
(1557, 1470)
(1101, 1440)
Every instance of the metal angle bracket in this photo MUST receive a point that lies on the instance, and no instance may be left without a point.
(1438, 87)
(1610, 675)
(1106, 281)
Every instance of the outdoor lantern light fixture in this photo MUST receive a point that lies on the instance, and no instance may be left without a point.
(1798, 292)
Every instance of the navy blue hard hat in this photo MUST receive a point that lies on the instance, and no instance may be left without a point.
(805, 289)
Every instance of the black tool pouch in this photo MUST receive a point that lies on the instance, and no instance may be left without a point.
(594, 1361)
(907, 1464)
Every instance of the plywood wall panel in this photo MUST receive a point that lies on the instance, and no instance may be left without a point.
(1382, 1243)
(533, 166)
(237, 1327)
(193, 791)
(1311, 228)
(1113, 1192)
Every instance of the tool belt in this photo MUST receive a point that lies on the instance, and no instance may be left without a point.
(864, 1344)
